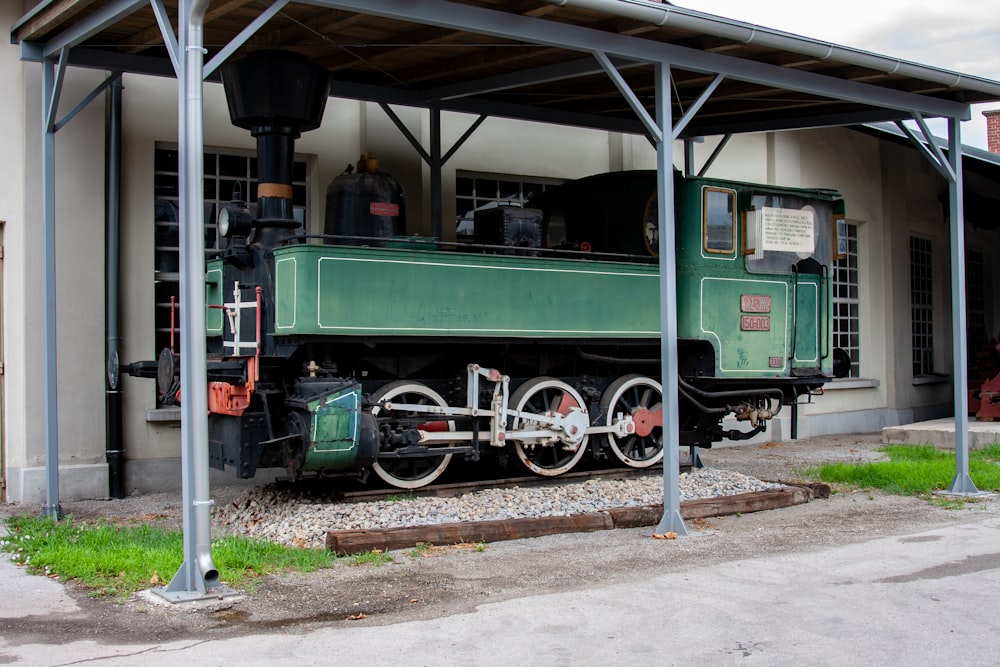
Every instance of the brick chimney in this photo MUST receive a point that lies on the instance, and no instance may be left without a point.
(993, 130)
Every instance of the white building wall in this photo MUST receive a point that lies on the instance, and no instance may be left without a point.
(13, 383)
(849, 162)
(79, 210)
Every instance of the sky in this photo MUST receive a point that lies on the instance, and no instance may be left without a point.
(958, 35)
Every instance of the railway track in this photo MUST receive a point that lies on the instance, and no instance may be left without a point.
(457, 488)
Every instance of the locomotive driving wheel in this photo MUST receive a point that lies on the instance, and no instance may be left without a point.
(549, 397)
(641, 398)
(410, 472)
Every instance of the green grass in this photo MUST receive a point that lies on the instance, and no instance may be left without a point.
(420, 550)
(914, 470)
(375, 557)
(119, 560)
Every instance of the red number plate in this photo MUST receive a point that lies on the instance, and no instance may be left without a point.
(755, 323)
(755, 303)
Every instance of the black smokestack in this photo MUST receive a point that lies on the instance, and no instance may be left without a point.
(276, 95)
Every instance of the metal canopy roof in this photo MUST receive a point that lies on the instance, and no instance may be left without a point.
(529, 59)
(628, 65)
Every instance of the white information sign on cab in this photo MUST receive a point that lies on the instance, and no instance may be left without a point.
(788, 230)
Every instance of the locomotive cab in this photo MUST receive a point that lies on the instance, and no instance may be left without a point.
(753, 269)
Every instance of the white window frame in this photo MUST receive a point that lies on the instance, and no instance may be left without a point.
(165, 190)
(922, 305)
(847, 300)
(487, 191)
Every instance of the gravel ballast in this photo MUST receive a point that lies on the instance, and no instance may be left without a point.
(290, 518)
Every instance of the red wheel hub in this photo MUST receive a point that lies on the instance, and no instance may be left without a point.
(646, 420)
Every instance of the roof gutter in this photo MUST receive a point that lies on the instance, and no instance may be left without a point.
(972, 152)
(662, 13)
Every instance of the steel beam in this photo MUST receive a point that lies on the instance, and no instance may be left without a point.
(167, 32)
(938, 153)
(640, 110)
(435, 165)
(721, 126)
(405, 131)
(55, 92)
(962, 484)
(82, 104)
(688, 156)
(942, 166)
(50, 98)
(531, 77)
(106, 16)
(671, 521)
(462, 139)
(696, 107)
(542, 115)
(715, 154)
(229, 49)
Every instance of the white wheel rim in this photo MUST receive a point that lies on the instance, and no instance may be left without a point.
(390, 391)
(524, 451)
(616, 391)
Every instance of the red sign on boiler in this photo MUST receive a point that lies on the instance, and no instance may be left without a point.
(755, 303)
(387, 209)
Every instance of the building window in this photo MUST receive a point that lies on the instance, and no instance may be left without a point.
(475, 191)
(226, 172)
(921, 306)
(846, 302)
(975, 300)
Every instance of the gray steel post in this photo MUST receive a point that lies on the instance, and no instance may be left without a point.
(198, 573)
(435, 164)
(688, 157)
(962, 484)
(671, 521)
(50, 97)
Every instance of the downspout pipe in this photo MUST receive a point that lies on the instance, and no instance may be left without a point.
(114, 450)
(747, 33)
(197, 574)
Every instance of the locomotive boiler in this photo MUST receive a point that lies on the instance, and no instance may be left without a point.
(536, 342)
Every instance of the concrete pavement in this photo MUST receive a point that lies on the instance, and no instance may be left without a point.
(927, 598)
(941, 433)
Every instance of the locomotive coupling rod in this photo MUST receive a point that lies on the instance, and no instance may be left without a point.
(443, 410)
(623, 427)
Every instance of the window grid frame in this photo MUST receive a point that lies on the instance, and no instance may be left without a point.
(922, 306)
(167, 282)
(485, 189)
(847, 301)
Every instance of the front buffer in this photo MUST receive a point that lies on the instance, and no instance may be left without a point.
(323, 430)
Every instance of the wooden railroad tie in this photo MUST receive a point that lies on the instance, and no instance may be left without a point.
(348, 542)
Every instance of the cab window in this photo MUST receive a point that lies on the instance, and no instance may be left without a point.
(719, 220)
